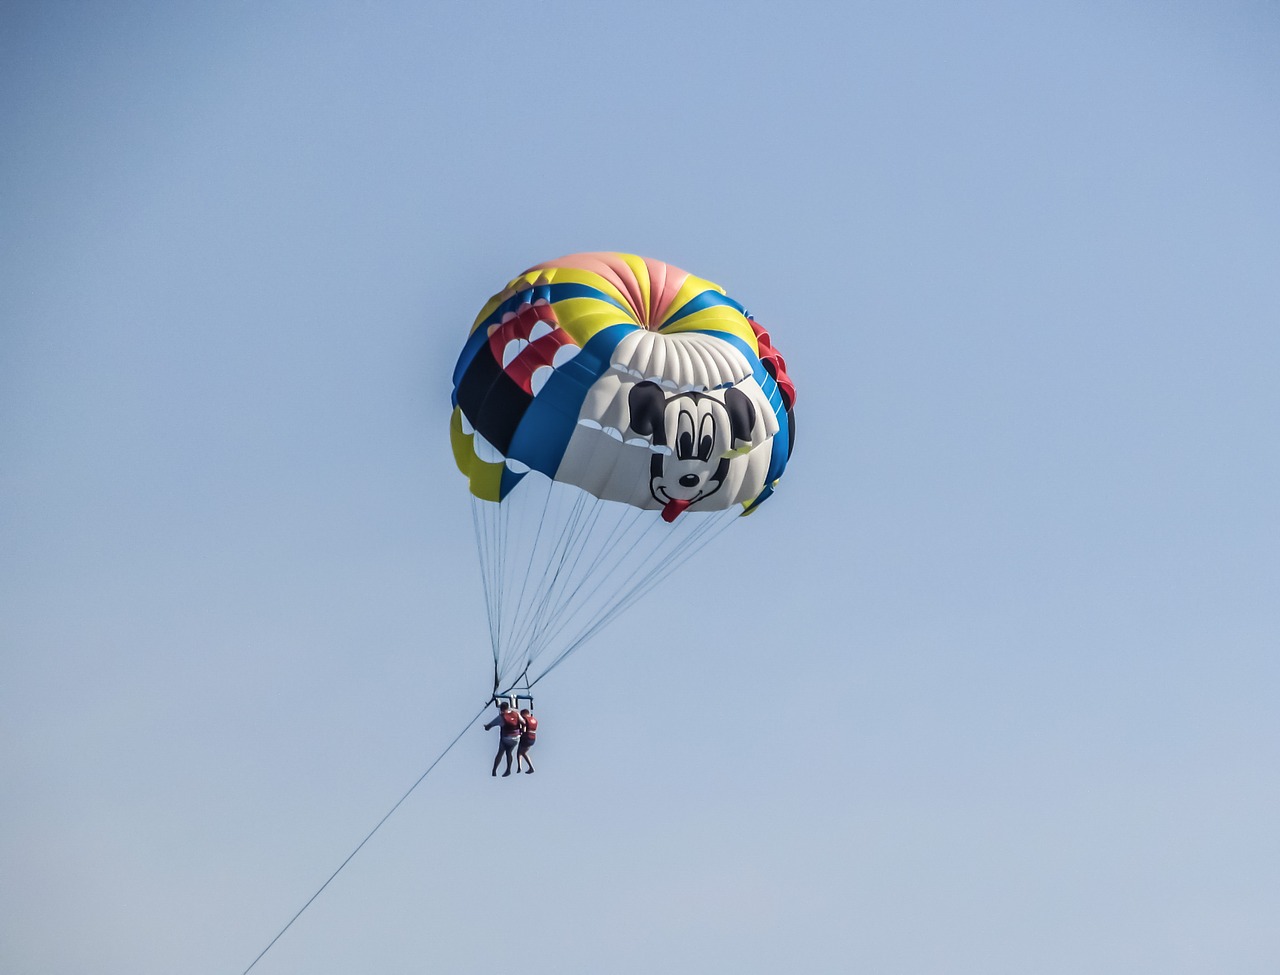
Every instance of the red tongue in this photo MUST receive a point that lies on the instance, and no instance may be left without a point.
(672, 511)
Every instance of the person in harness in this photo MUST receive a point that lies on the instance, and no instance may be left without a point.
(527, 738)
(509, 725)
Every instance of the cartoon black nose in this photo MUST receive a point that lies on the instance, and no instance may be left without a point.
(689, 480)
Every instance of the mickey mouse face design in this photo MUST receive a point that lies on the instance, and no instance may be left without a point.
(692, 436)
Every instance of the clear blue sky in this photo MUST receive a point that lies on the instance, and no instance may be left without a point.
(989, 686)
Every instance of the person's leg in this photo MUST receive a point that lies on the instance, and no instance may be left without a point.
(527, 760)
(509, 748)
(497, 758)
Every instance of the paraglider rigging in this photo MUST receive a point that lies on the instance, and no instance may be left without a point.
(550, 592)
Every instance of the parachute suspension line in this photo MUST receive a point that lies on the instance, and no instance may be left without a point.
(705, 533)
(563, 529)
(582, 537)
(497, 568)
(592, 576)
(652, 563)
(555, 564)
(618, 539)
(571, 607)
(514, 686)
(619, 532)
(375, 829)
(573, 538)
(498, 516)
(650, 580)
(636, 590)
(561, 564)
(492, 559)
(502, 522)
(556, 595)
(510, 649)
(479, 524)
(491, 514)
(641, 559)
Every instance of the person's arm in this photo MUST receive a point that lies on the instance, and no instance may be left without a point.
(492, 723)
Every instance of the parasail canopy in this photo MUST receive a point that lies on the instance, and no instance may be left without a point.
(611, 413)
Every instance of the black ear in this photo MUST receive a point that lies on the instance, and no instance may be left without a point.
(647, 403)
(742, 412)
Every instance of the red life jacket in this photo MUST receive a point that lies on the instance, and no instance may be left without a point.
(510, 724)
(530, 728)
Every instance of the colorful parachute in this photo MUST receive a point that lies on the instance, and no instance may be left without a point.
(648, 407)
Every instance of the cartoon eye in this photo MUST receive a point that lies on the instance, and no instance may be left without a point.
(706, 437)
(684, 436)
